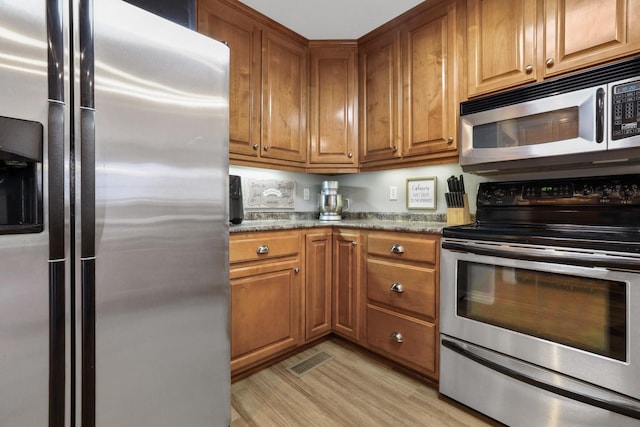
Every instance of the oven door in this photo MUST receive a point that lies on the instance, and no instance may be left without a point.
(570, 123)
(563, 310)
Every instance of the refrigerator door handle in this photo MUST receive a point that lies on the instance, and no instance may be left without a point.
(55, 50)
(55, 147)
(87, 211)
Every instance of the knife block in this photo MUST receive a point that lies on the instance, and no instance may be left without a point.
(457, 216)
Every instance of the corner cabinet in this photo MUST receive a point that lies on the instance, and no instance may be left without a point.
(266, 282)
(409, 84)
(402, 295)
(347, 282)
(268, 85)
(318, 261)
(333, 107)
(513, 42)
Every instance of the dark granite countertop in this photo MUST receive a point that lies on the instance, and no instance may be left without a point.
(423, 223)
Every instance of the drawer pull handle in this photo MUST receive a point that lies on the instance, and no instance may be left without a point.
(396, 337)
(397, 249)
(262, 250)
(397, 287)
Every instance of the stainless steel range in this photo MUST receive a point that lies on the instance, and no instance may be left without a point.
(540, 303)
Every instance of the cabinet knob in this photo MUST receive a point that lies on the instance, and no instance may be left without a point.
(266, 148)
(354, 243)
(395, 148)
(296, 270)
(397, 249)
(450, 139)
(350, 155)
(262, 250)
(397, 288)
(255, 146)
(529, 68)
(396, 337)
(549, 62)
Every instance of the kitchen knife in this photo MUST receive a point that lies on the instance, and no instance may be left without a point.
(450, 183)
(462, 184)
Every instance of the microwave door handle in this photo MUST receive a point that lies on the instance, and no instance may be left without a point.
(600, 115)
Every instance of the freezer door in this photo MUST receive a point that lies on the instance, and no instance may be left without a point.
(158, 271)
(24, 266)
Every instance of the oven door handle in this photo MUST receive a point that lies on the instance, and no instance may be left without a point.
(623, 405)
(557, 256)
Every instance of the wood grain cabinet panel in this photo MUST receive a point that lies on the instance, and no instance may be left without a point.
(243, 36)
(284, 99)
(266, 305)
(379, 62)
(402, 296)
(580, 33)
(347, 294)
(333, 133)
(512, 42)
(405, 287)
(502, 44)
(404, 339)
(429, 85)
(318, 267)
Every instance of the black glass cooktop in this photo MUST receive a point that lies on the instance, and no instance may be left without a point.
(590, 213)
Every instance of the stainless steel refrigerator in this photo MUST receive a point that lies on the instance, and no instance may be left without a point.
(113, 218)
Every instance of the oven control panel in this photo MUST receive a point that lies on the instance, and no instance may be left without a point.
(614, 190)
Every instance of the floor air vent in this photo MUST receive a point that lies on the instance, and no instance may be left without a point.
(309, 363)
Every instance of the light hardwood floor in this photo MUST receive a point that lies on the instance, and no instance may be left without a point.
(352, 389)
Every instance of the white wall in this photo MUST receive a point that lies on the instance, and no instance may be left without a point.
(369, 191)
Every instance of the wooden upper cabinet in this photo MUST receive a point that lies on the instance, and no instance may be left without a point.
(501, 37)
(380, 132)
(429, 82)
(333, 133)
(512, 42)
(580, 33)
(284, 98)
(243, 36)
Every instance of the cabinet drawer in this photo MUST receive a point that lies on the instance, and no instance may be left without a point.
(417, 347)
(403, 286)
(403, 247)
(259, 246)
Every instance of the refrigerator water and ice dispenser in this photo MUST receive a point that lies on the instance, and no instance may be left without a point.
(20, 176)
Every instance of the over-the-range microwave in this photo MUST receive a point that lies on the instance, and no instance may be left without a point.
(586, 118)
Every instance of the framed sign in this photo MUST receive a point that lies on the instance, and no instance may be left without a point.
(421, 193)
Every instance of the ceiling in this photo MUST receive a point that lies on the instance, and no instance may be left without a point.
(331, 19)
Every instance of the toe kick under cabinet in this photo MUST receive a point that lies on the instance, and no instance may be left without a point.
(402, 299)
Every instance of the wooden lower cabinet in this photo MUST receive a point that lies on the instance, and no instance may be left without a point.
(347, 294)
(318, 260)
(378, 289)
(402, 299)
(407, 340)
(266, 284)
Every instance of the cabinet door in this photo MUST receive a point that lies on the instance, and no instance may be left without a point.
(379, 63)
(501, 44)
(333, 106)
(346, 284)
(430, 88)
(284, 98)
(580, 33)
(241, 33)
(265, 313)
(318, 284)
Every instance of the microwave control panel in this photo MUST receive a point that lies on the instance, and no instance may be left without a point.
(625, 110)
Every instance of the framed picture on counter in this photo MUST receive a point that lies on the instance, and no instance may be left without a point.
(421, 193)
